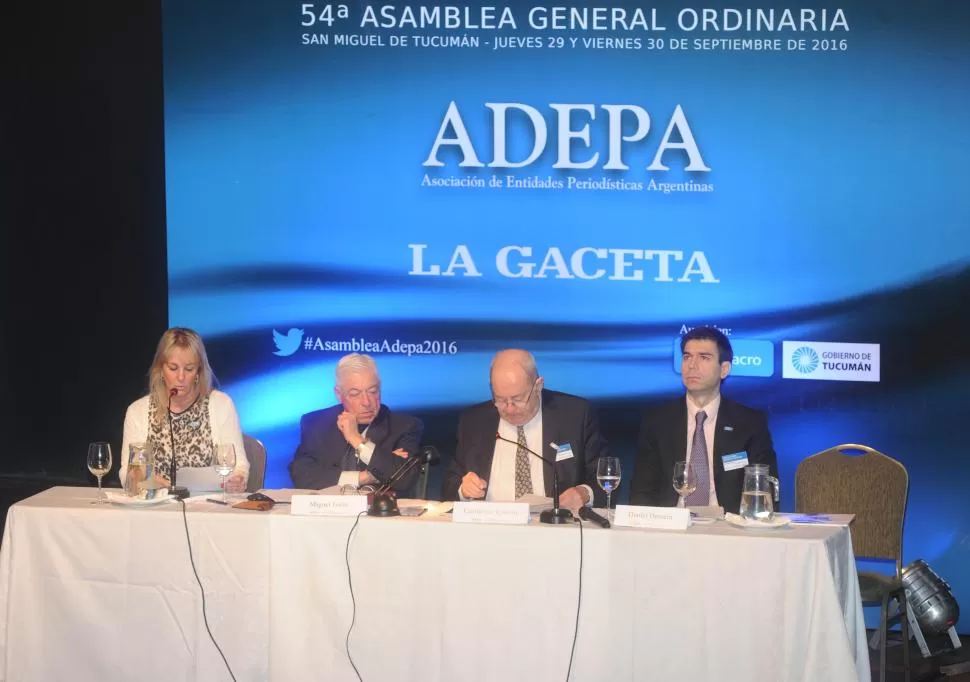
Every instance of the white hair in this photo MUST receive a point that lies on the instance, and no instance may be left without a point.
(356, 362)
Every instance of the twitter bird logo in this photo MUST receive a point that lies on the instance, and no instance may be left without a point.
(287, 344)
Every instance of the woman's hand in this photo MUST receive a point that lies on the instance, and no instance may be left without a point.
(236, 484)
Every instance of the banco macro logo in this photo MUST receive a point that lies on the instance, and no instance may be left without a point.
(289, 343)
(805, 360)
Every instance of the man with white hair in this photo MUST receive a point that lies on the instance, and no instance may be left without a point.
(359, 440)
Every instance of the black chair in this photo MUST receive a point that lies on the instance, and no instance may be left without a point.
(256, 454)
(429, 458)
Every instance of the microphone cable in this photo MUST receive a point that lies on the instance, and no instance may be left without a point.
(353, 600)
(205, 619)
(579, 599)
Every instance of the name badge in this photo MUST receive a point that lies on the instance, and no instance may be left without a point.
(736, 460)
(490, 512)
(670, 518)
(328, 505)
(563, 452)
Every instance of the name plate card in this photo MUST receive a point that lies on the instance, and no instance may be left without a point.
(491, 512)
(670, 518)
(328, 505)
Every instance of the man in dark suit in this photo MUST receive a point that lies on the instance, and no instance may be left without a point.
(561, 427)
(717, 435)
(359, 440)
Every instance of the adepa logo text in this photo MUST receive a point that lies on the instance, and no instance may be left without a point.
(289, 343)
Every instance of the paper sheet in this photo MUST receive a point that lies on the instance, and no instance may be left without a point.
(199, 480)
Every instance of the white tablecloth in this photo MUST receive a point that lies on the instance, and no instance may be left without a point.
(108, 593)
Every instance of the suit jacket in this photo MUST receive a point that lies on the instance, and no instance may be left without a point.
(565, 419)
(663, 441)
(319, 457)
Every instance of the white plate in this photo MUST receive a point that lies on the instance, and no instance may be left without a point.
(125, 501)
(775, 522)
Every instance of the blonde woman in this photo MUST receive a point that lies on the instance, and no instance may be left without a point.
(181, 379)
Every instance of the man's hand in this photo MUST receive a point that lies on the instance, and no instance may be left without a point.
(366, 478)
(574, 498)
(400, 452)
(472, 486)
(347, 423)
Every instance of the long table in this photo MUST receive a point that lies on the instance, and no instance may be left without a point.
(98, 593)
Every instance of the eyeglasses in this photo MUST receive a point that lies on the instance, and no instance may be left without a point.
(355, 394)
(514, 402)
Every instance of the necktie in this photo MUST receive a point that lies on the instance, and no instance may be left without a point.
(698, 458)
(350, 459)
(523, 472)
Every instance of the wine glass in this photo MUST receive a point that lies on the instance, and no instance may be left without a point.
(684, 481)
(608, 476)
(99, 463)
(224, 461)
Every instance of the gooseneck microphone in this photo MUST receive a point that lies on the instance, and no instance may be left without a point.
(587, 514)
(383, 502)
(173, 491)
(554, 515)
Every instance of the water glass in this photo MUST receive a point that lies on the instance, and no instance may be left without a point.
(684, 480)
(608, 476)
(99, 463)
(224, 461)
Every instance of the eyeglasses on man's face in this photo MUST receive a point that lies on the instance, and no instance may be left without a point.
(516, 401)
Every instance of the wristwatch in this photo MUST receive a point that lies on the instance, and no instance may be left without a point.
(363, 442)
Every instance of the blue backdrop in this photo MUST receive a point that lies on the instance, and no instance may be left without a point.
(588, 184)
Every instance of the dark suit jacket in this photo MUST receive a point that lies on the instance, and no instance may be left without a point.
(663, 441)
(319, 457)
(565, 419)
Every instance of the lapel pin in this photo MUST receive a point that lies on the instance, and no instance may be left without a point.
(729, 428)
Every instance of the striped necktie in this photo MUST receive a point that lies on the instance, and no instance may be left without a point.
(698, 459)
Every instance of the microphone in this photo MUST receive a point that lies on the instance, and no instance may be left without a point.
(587, 514)
(173, 491)
(383, 501)
(427, 453)
(554, 515)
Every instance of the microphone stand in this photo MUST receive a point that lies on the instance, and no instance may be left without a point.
(174, 490)
(383, 501)
(554, 515)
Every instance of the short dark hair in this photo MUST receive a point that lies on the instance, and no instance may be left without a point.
(724, 351)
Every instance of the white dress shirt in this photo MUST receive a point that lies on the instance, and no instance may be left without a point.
(364, 453)
(501, 480)
(709, 429)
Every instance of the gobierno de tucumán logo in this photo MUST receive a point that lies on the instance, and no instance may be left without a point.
(805, 359)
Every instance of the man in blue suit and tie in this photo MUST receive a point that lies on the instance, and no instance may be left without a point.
(359, 440)
(717, 435)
